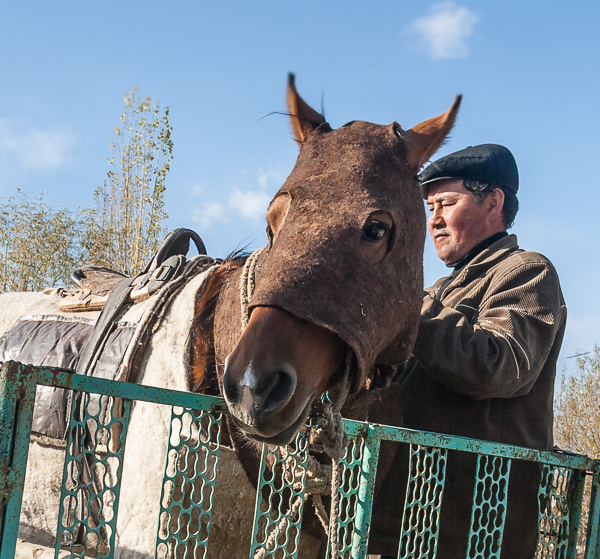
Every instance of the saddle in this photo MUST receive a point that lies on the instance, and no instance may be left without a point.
(96, 283)
(110, 346)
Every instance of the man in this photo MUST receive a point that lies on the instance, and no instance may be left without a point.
(485, 357)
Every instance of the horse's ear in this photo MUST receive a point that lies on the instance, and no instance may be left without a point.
(424, 139)
(304, 118)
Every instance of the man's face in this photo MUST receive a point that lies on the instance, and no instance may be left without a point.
(457, 222)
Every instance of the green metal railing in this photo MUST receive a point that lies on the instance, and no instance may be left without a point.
(100, 414)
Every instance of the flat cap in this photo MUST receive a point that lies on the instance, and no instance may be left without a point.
(487, 162)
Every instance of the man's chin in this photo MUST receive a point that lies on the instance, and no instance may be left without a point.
(446, 254)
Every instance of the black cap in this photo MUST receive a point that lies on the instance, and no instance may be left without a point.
(488, 163)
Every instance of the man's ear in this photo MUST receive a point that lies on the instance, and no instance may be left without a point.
(495, 201)
(304, 119)
(424, 139)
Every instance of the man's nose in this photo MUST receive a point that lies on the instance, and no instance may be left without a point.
(436, 218)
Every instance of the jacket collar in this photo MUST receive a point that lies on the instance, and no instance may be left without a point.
(476, 250)
(483, 261)
(494, 253)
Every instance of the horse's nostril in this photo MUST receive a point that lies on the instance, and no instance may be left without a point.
(278, 390)
(230, 390)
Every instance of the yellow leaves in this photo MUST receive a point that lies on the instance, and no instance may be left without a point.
(577, 417)
(131, 207)
(121, 231)
(38, 244)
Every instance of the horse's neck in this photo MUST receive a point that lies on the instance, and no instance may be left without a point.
(215, 333)
(228, 322)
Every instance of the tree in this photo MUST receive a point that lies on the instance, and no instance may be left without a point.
(38, 244)
(126, 225)
(577, 420)
(577, 417)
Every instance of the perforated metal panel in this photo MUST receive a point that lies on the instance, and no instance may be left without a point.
(92, 474)
(489, 507)
(350, 473)
(188, 484)
(279, 502)
(421, 520)
(558, 490)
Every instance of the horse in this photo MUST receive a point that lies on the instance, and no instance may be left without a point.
(335, 296)
(342, 271)
(331, 304)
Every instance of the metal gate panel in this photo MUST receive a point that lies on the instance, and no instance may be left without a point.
(89, 500)
(188, 484)
(425, 490)
(96, 444)
(489, 507)
(279, 502)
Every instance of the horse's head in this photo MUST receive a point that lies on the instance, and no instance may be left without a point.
(342, 270)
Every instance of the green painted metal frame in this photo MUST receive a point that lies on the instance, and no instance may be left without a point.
(279, 502)
(191, 468)
(17, 398)
(189, 483)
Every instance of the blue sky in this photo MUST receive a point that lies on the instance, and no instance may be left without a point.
(529, 73)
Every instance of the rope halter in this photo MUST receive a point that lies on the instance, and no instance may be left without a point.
(330, 438)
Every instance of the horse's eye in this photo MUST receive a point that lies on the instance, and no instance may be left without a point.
(374, 231)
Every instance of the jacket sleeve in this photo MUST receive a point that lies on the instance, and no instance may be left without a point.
(500, 352)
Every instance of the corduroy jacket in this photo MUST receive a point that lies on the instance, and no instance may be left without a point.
(485, 357)
(483, 367)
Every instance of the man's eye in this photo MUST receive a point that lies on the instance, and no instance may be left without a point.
(374, 231)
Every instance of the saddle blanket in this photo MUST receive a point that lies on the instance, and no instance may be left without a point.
(56, 338)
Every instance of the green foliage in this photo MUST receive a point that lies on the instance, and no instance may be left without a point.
(38, 244)
(126, 225)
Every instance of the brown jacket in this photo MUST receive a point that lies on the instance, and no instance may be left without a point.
(483, 367)
(485, 357)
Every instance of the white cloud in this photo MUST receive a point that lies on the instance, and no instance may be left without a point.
(251, 204)
(241, 203)
(196, 190)
(209, 212)
(263, 177)
(444, 31)
(31, 148)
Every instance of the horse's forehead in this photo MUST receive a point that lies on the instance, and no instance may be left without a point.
(356, 136)
(358, 158)
(318, 270)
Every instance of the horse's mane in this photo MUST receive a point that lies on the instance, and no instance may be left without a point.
(204, 372)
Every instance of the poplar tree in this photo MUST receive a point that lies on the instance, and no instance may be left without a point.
(41, 245)
(126, 224)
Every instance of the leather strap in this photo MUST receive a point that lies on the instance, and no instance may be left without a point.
(175, 243)
(103, 327)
